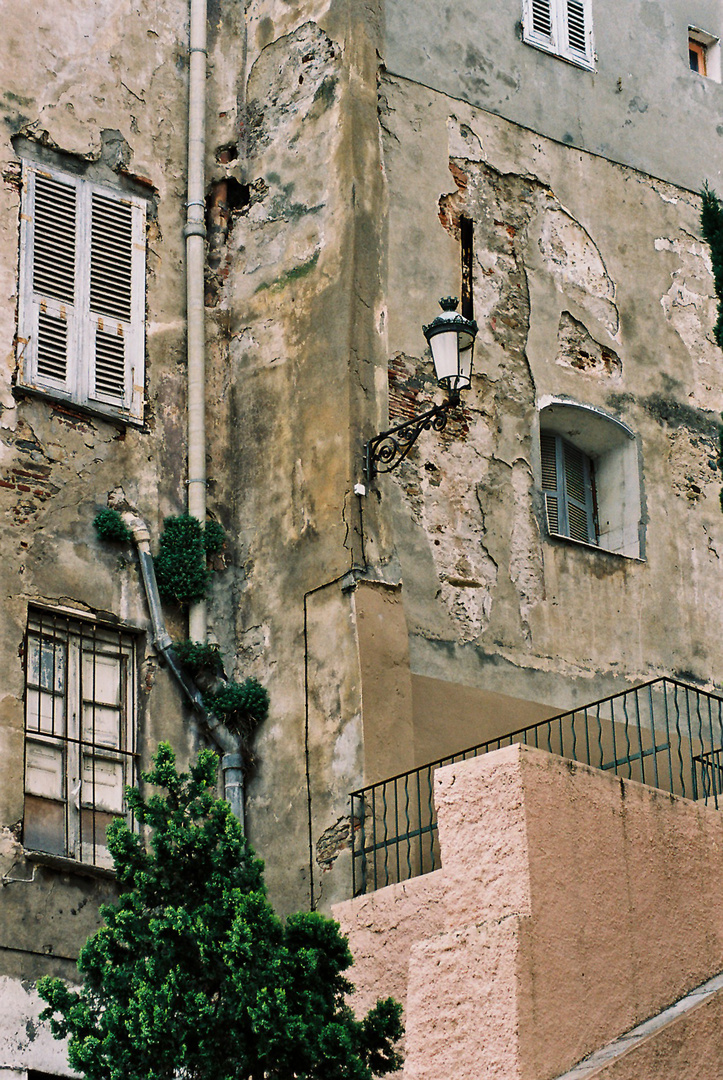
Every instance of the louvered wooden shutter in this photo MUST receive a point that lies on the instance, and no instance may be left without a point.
(51, 329)
(567, 482)
(539, 22)
(577, 21)
(550, 486)
(541, 17)
(111, 295)
(82, 293)
(563, 27)
(578, 495)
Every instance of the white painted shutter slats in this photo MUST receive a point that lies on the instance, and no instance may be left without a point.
(561, 27)
(52, 354)
(541, 13)
(109, 364)
(82, 290)
(54, 239)
(576, 29)
(111, 257)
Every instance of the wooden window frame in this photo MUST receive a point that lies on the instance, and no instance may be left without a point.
(77, 736)
(700, 51)
(79, 378)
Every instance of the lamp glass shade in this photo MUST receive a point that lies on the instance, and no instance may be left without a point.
(451, 340)
(445, 354)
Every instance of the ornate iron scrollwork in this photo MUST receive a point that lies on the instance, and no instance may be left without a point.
(387, 450)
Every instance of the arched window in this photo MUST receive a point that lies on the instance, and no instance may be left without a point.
(590, 477)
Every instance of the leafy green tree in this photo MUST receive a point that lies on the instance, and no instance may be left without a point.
(711, 220)
(194, 976)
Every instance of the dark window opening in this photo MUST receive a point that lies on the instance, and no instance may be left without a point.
(466, 230)
(696, 56)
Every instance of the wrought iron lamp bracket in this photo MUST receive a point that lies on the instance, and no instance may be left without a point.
(388, 449)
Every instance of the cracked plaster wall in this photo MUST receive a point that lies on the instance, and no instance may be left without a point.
(591, 283)
(105, 83)
(294, 351)
(294, 346)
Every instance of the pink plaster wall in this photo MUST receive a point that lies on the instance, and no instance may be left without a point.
(690, 1049)
(570, 906)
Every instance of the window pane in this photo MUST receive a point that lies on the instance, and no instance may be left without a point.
(101, 725)
(79, 736)
(44, 770)
(102, 784)
(46, 663)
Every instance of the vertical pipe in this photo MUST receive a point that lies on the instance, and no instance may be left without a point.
(195, 233)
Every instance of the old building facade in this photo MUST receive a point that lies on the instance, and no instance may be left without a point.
(360, 161)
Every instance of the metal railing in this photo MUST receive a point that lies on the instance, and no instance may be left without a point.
(663, 733)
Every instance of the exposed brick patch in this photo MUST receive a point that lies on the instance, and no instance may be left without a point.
(410, 388)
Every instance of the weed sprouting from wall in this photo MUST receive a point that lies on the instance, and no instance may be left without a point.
(110, 526)
(181, 571)
(199, 657)
(711, 221)
(241, 706)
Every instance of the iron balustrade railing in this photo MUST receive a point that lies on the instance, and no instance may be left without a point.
(663, 733)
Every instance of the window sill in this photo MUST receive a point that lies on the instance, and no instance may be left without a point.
(584, 65)
(73, 408)
(564, 540)
(69, 866)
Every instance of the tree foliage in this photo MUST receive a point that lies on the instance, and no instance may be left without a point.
(193, 975)
(711, 221)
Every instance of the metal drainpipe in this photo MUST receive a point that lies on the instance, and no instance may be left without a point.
(195, 234)
(226, 743)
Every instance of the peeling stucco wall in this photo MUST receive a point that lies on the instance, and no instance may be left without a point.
(632, 108)
(575, 302)
(434, 607)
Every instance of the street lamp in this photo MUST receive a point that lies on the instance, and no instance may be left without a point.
(451, 340)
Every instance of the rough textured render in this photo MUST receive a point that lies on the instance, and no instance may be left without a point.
(571, 906)
(612, 311)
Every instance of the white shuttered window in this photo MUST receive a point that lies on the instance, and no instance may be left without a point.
(563, 27)
(82, 292)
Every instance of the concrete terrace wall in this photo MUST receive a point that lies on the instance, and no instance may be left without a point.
(570, 906)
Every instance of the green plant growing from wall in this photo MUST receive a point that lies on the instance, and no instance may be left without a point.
(711, 220)
(199, 657)
(241, 706)
(193, 975)
(181, 571)
(214, 537)
(110, 526)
